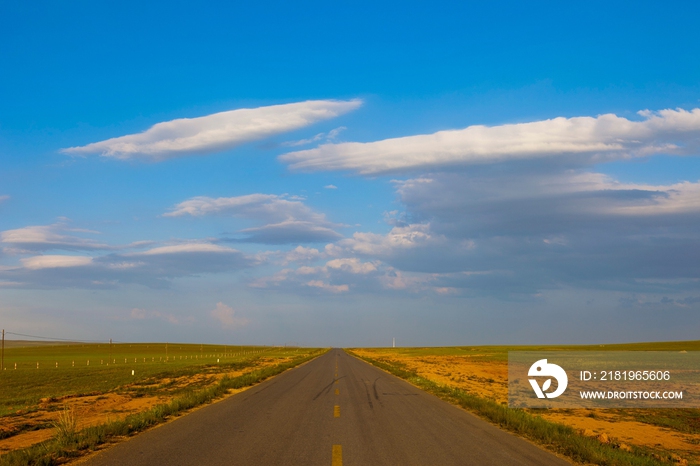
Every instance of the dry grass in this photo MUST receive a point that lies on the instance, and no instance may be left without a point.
(667, 435)
(66, 426)
(51, 403)
(70, 443)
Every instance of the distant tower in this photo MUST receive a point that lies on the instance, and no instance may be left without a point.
(393, 342)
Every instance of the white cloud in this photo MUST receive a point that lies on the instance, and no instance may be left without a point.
(330, 186)
(302, 254)
(4, 198)
(343, 274)
(185, 249)
(55, 261)
(285, 219)
(352, 265)
(155, 267)
(603, 137)
(399, 238)
(327, 287)
(216, 132)
(266, 207)
(226, 316)
(46, 237)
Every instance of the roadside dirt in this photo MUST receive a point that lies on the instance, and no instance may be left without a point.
(26, 428)
(89, 411)
(489, 379)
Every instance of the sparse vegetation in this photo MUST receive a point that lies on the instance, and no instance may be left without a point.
(186, 383)
(78, 369)
(560, 438)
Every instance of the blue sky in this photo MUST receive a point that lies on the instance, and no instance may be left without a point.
(341, 174)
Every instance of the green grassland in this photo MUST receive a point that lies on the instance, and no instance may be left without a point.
(63, 370)
(500, 353)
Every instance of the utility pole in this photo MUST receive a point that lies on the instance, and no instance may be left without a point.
(110, 351)
(2, 364)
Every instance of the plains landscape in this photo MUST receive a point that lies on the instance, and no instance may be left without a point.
(58, 408)
(313, 233)
(74, 397)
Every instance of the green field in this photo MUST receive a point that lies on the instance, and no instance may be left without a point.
(54, 371)
(41, 392)
(500, 353)
(187, 375)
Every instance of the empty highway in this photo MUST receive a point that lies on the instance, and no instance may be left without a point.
(335, 410)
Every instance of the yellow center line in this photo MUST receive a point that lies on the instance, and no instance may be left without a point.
(337, 456)
(336, 381)
(336, 411)
(337, 392)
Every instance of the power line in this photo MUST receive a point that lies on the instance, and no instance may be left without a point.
(56, 338)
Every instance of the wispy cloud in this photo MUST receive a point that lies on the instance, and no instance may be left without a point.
(599, 138)
(283, 219)
(341, 275)
(327, 287)
(48, 237)
(55, 261)
(327, 137)
(141, 314)
(227, 318)
(216, 132)
(184, 249)
(4, 198)
(154, 267)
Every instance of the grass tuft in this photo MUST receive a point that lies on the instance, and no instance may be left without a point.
(66, 427)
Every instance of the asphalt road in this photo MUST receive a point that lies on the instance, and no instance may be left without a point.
(335, 410)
